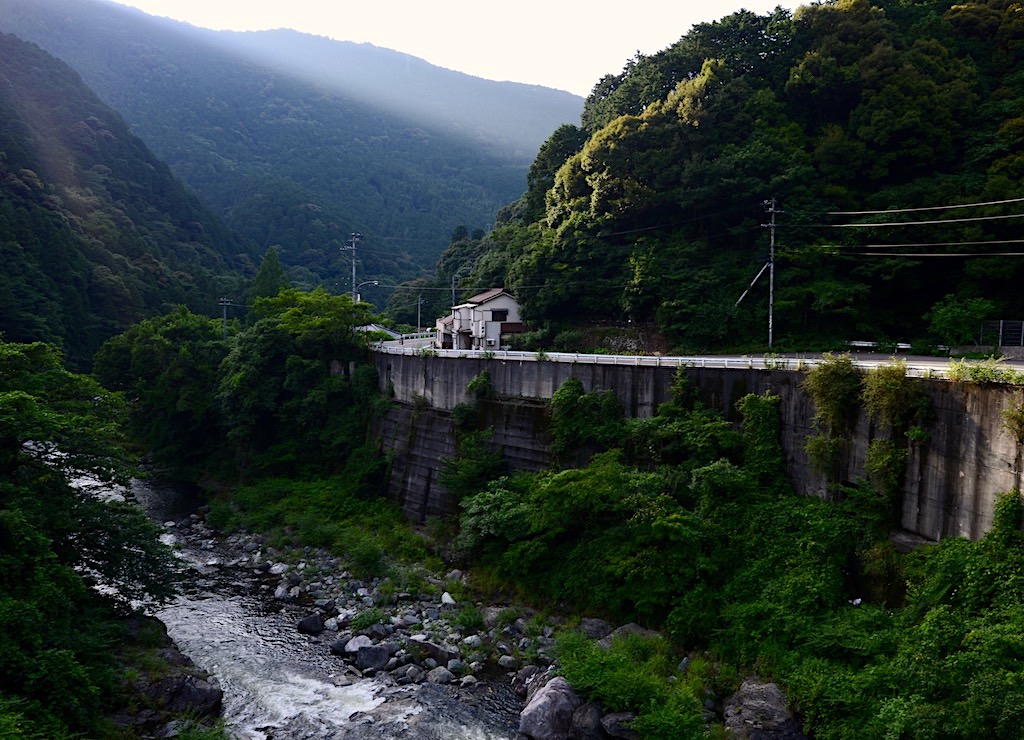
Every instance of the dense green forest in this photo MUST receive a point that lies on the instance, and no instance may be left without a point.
(72, 564)
(297, 141)
(95, 232)
(683, 522)
(904, 115)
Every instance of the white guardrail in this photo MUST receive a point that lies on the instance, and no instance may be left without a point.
(916, 367)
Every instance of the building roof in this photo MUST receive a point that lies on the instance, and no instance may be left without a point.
(488, 295)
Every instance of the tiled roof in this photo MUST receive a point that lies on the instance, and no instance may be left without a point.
(486, 295)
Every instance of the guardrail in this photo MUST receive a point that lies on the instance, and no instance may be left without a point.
(935, 369)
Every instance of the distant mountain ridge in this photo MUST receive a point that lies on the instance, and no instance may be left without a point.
(301, 163)
(95, 231)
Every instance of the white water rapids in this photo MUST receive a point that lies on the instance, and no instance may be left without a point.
(280, 684)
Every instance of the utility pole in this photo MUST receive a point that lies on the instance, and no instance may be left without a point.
(224, 303)
(352, 242)
(419, 308)
(770, 206)
(771, 271)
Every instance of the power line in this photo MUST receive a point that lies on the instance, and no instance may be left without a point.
(910, 210)
(920, 244)
(923, 223)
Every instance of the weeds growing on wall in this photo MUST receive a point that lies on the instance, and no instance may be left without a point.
(898, 405)
(989, 370)
(834, 388)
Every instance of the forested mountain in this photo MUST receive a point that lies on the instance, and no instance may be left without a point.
(279, 134)
(654, 210)
(95, 232)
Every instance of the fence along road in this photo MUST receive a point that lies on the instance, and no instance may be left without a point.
(917, 366)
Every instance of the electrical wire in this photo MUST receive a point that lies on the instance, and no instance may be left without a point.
(910, 210)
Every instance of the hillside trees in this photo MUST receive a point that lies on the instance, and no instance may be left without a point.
(839, 112)
(61, 536)
(95, 231)
(287, 394)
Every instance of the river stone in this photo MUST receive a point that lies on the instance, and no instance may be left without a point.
(440, 653)
(312, 624)
(615, 724)
(525, 677)
(338, 646)
(440, 675)
(595, 629)
(197, 696)
(278, 568)
(548, 715)
(357, 642)
(447, 600)
(372, 657)
(586, 722)
(508, 662)
(759, 710)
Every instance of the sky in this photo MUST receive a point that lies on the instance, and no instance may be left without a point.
(564, 44)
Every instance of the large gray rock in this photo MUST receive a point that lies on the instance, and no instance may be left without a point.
(357, 643)
(595, 629)
(440, 675)
(548, 715)
(312, 624)
(759, 711)
(586, 723)
(192, 694)
(372, 657)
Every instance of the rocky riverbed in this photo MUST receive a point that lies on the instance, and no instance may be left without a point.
(305, 649)
(416, 665)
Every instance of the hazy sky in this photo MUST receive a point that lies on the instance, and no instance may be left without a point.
(565, 44)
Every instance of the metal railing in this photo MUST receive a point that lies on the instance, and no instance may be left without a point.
(916, 367)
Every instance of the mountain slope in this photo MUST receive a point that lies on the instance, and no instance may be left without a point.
(95, 231)
(296, 159)
(846, 119)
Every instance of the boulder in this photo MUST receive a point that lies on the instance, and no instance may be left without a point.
(200, 697)
(440, 675)
(312, 624)
(759, 711)
(586, 723)
(548, 715)
(357, 642)
(625, 630)
(372, 657)
(615, 724)
(595, 629)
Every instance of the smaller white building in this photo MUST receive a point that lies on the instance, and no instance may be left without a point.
(486, 321)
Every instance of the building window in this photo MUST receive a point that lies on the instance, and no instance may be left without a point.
(499, 314)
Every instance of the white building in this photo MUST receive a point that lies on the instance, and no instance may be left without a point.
(485, 321)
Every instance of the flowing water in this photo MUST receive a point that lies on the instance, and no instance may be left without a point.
(279, 683)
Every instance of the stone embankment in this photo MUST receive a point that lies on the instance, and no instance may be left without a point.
(428, 651)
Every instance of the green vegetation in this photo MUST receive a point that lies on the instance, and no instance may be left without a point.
(95, 232)
(650, 212)
(634, 672)
(71, 561)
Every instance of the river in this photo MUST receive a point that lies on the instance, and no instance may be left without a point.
(279, 683)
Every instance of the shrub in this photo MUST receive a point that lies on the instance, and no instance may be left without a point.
(633, 675)
(833, 385)
(366, 619)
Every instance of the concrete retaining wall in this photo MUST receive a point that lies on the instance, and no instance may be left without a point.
(949, 490)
